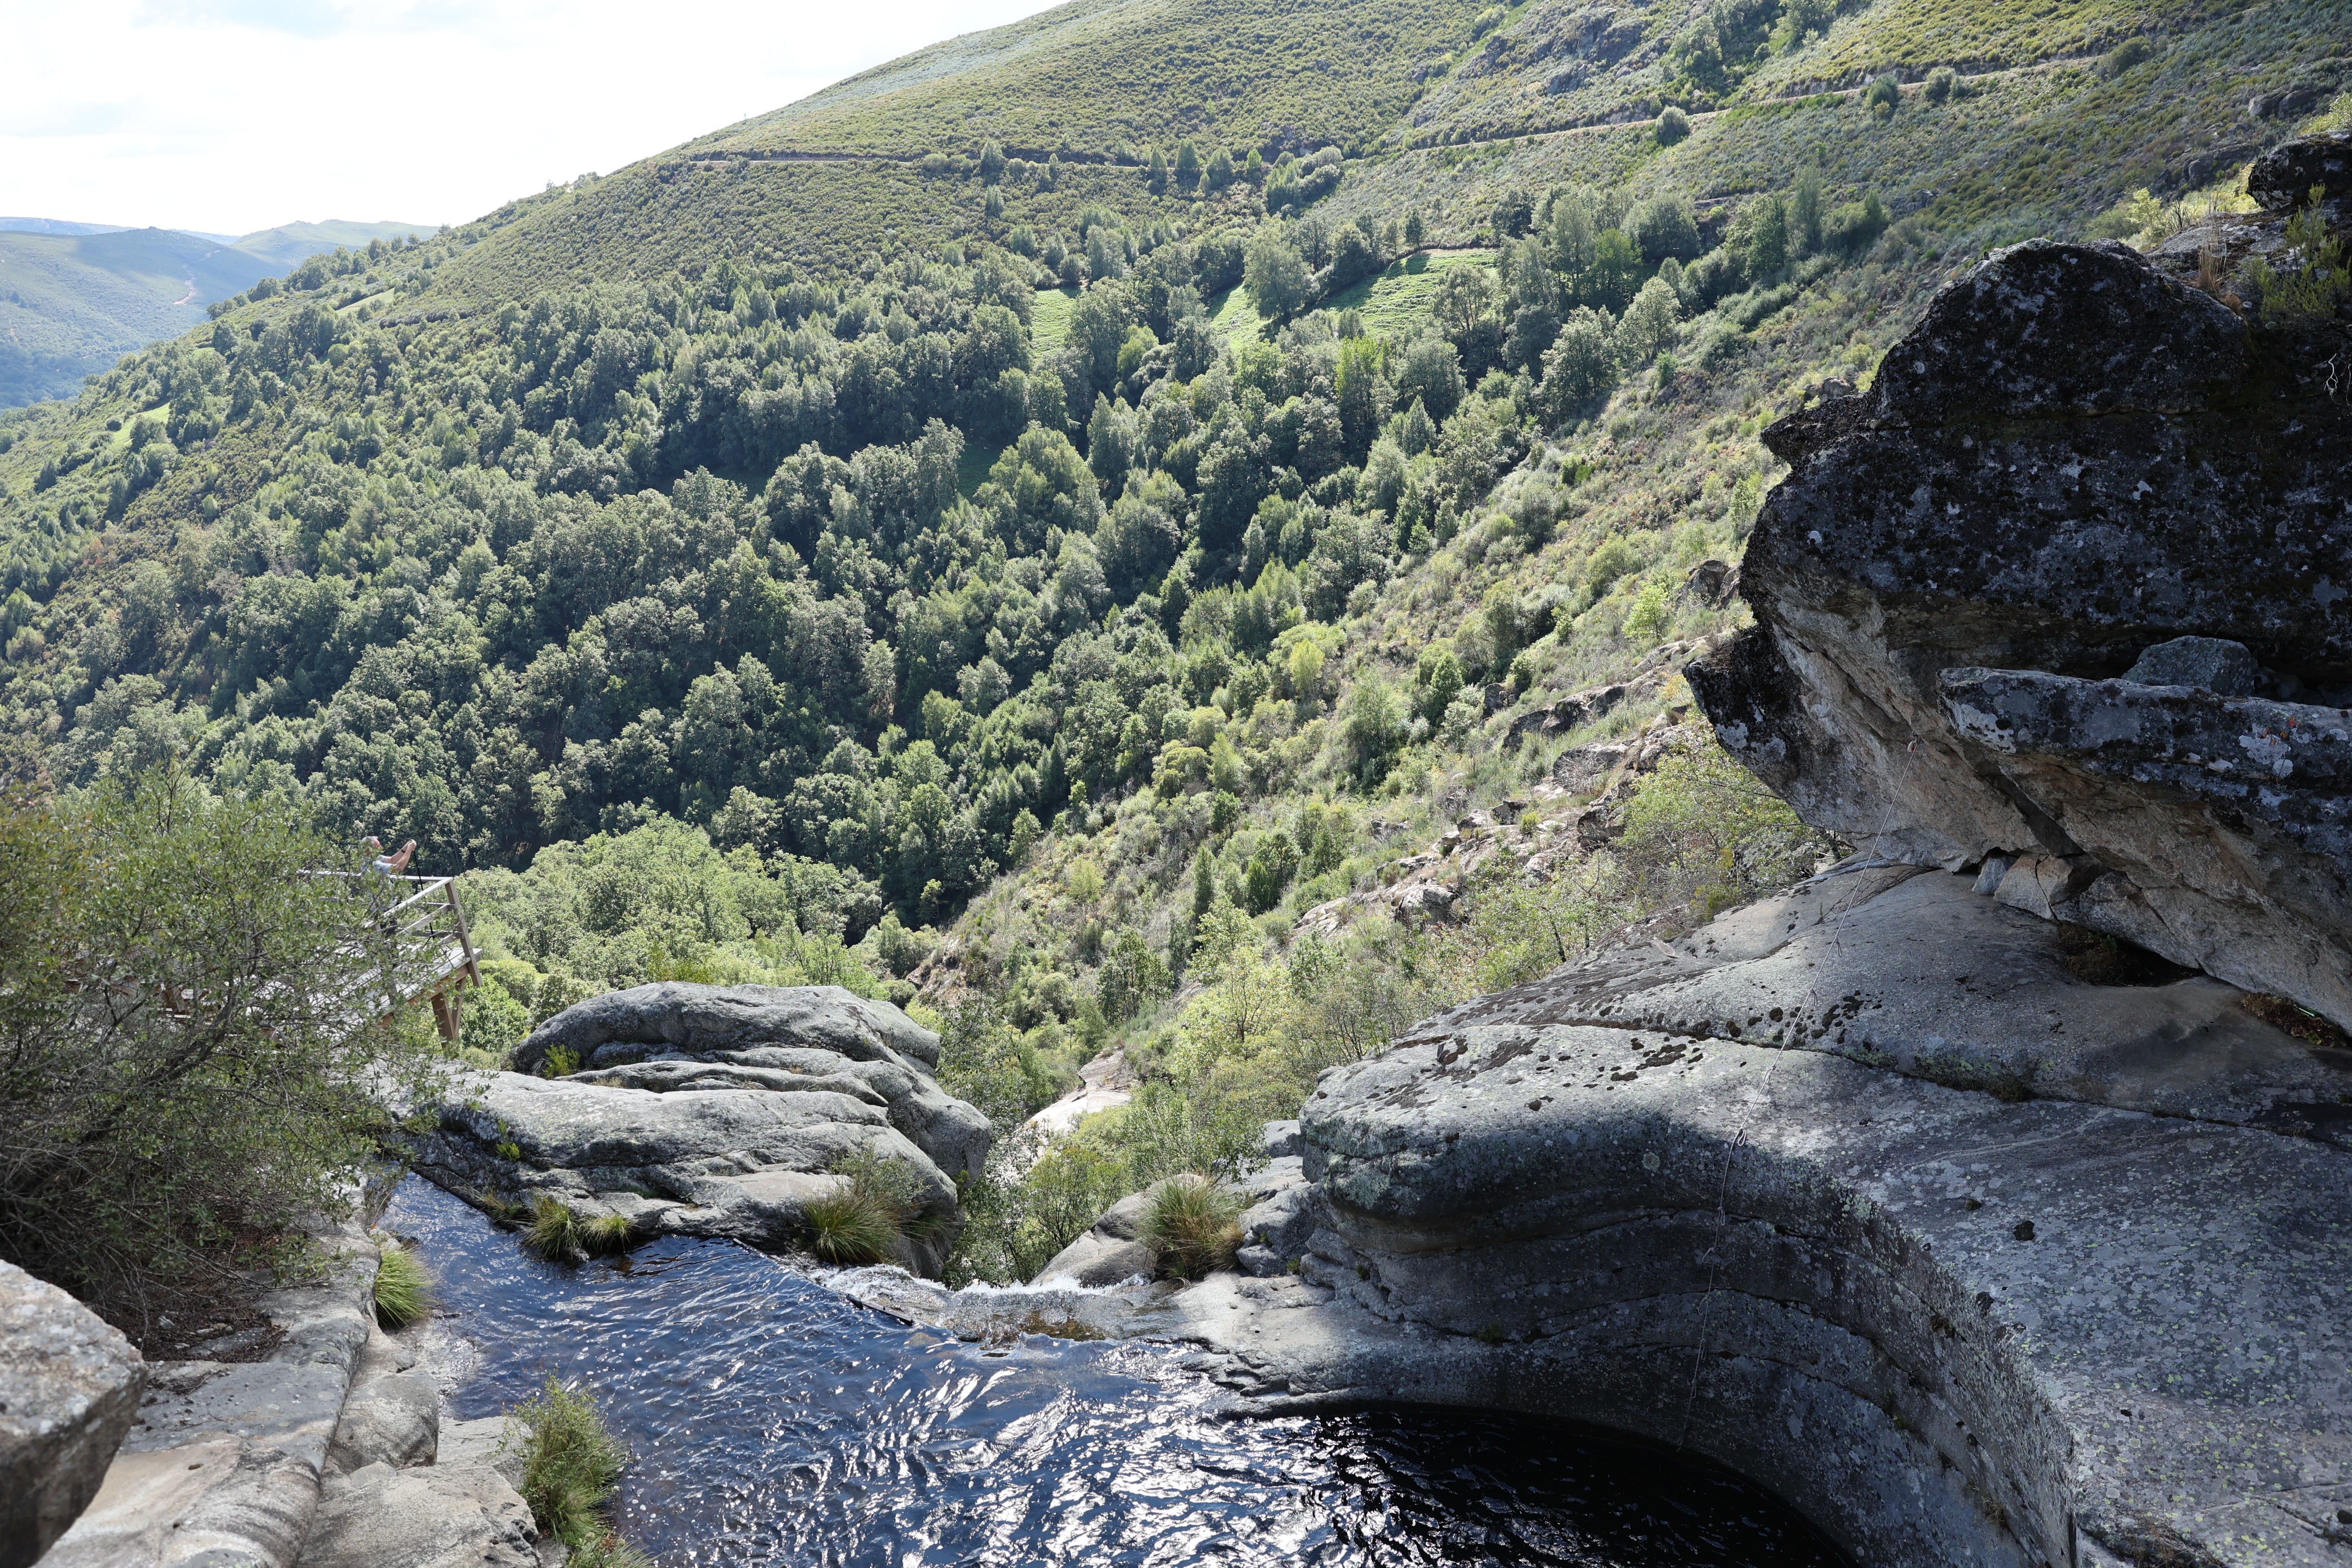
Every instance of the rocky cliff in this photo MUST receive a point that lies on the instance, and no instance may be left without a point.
(1982, 1196)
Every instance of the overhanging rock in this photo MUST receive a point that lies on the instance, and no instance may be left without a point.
(2071, 461)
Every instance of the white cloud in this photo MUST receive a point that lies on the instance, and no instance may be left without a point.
(231, 115)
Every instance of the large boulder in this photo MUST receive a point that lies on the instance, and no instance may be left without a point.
(2071, 461)
(70, 1388)
(1793, 1192)
(714, 1111)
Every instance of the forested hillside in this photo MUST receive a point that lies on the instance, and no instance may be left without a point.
(1041, 558)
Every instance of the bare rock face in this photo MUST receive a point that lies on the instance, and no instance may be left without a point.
(70, 1388)
(715, 1110)
(1862, 1192)
(1975, 594)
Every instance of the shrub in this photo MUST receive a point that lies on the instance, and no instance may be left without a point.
(570, 1461)
(861, 1225)
(1672, 126)
(1884, 96)
(495, 1022)
(1193, 1226)
(1942, 85)
(2132, 51)
(606, 1235)
(404, 1291)
(148, 1149)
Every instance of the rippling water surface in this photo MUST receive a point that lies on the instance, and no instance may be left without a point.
(773, 1421)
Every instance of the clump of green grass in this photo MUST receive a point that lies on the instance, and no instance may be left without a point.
(1193, 1226)
(882, 1204)
(553, 1231)
(570, 1462)
(851, 1227)
(403, 1290)
(606, 1235)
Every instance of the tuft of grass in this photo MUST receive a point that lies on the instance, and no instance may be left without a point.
(1195, 1226)
(570, 1462)
(606, 1235)
(553, 1231)
(853, 1226)
(403, 1290)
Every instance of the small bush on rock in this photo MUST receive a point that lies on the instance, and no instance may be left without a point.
(1195, 1226)
(851, 1228)
(553, 1231)
(404, 1291)
(570, 1462)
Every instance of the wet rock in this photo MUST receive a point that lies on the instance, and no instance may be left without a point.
(2073, 459)
(69, 1387)
(2210, 664)
(714, 1111)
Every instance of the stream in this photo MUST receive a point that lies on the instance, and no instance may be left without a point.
(773, 1421)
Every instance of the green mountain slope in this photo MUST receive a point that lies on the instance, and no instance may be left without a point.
(1085, 78)
(1032, 579)
(76, 297)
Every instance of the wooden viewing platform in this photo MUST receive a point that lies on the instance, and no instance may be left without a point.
(433, 952)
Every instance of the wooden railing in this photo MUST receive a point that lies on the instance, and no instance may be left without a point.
(430, 955)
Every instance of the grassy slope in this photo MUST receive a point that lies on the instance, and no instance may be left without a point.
(1086, 76)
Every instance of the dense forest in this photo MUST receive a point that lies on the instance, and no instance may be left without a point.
(1041, 597)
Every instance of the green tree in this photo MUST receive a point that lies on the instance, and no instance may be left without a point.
(1274, 273)
(1188, 165)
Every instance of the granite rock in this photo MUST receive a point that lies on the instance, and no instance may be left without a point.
(715, 1111)
(1721, 1194)
(2072, 460)
(70, 1388)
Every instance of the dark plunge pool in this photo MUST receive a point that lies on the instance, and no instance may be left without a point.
(773, 1421)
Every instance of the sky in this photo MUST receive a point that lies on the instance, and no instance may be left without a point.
(235, 115)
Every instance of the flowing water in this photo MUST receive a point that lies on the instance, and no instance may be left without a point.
(773, 1421)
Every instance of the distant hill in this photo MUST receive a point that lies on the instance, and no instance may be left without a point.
(76, 297)
(290, 244)
(56, 226)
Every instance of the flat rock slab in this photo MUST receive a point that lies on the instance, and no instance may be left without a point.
(1947, 1328)
(70, 1388)
(443, 1515)
(1904, 967)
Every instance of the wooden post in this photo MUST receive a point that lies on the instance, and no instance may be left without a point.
(445, 1017)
